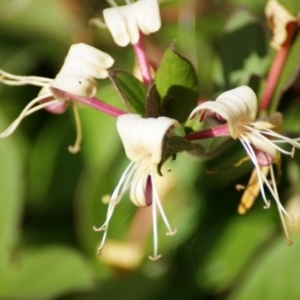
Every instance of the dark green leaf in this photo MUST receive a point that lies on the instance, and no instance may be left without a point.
(153, 109)
(132, 91)
(177, 85)
(274, 276)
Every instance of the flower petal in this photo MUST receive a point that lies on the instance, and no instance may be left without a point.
(235, 106)
(278, 19)
(125, 22)
(143, 137)
(82, 64)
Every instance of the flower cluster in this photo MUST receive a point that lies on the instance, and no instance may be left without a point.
(149, 126)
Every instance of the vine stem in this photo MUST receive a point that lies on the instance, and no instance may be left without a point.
(218, 131)
(92, 102)
(141, 56)
(276, 68)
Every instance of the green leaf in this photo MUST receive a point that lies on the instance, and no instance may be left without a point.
(132, 91)
(11, 188)
(292, 6)
(243, 235)
(177, 85)
(274, 276)
(45, 274)
(153, 109)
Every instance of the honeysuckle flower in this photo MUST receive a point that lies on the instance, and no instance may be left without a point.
(125, 22)
(142, 140)
(83, 64)
(260, 139)
(279, 18)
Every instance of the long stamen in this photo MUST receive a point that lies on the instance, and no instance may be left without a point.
(268, 141)
(112, 3)
(252, 156)
(23, 80)
(26, 112)
(160, 207)
(76, 147)
(289, 242)
(155, 235)
(115, 198)
(283, 139)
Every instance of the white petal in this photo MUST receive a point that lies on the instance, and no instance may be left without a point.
(148, 16)
(124, 22)
(236, 106)
(137, 190)
(143, 137)
(117, 26)
(82, 64)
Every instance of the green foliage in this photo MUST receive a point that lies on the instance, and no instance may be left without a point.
(177, 85)
(51, 199)
(132, 91)
(45, 274)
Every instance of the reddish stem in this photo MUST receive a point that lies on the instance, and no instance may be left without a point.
(140, 53)
(276, 68)
(92, 102)
(218, 131)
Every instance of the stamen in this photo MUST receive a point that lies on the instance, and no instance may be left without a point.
(114, 200)
(289, 242)
(252, 156)
(267, 140)
(97, 22)
(155, 237)
(161, 210)
(23, 80)
(76, 147)
(26, 112)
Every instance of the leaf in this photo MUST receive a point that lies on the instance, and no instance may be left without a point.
(175, 144)
(153, 109)
(132, 91)
(243, 235)
(45, 274)
(177, 85)
(11, 188)
(274, 276)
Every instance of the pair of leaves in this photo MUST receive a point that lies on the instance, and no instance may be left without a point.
(174, 94)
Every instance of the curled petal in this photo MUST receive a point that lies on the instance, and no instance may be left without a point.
(143, 137)
(125, 22)
(236, 106)
(82, 65)
(278, 19)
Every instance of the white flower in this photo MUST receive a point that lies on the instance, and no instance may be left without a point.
(279, 19)
(82, 65)
(238, 107)
(125, 22)
(142, 140)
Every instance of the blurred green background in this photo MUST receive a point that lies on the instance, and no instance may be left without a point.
(51, 199)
